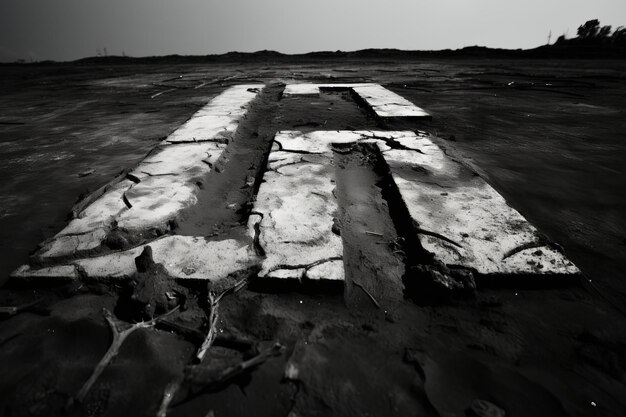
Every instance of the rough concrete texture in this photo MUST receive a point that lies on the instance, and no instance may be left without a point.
(383, 102)
(463, 221)
(184, 257)
(219, 118)
(162, 185)
(293, 218)
(459, 218)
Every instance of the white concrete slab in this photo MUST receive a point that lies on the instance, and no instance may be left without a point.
(308, 89)
(294, 212)
(184, 257)
(219, 119)
(464, 221)
(296, 205)
(386, 103)
(383, 102)
(189, 159)
(451, 204)
(67, 245)
(167, 177)
(162, 185)
(101, 213)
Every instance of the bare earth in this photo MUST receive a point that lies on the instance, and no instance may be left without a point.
(547, 135)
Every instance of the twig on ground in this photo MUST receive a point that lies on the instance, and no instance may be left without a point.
(13, 310)
(210, 337)
(172, 388)
(168, 395)
(367, 292)
(119, 336)
(208, 378)
(213, 316)
(235, 288)
(224, 339)
(192, 335)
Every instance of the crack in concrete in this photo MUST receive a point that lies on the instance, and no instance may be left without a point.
(306, 267)
(256, 240)
(158, 175)
(221, 140)
(133, 178)
(391, 142)
(125, 198)
(530, 245)
(282, 149)
(276, 170)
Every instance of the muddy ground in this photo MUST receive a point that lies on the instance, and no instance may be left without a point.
(549, 136)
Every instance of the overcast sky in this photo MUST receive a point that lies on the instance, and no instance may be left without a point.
(71, 29)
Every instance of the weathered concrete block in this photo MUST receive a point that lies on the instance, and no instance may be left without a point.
(383, 102)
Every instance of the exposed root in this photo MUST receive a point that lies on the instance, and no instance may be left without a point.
(213, 317)
(168, 395)
(13, 310)
(210, 337)
(119, 336)
(208, 379)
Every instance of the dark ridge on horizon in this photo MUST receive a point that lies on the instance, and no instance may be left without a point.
(562, 50)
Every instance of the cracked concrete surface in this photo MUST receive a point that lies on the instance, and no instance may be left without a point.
(293, 214)
(466, 222)
(459, 218)
(219, 118)
(160, 187)
(184, 257)
(383, 102)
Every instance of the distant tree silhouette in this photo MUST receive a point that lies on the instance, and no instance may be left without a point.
(604, 32)
(591, 33)
(589, 30)
(619, 36)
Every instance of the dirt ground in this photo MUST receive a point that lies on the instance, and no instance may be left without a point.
(548, 135)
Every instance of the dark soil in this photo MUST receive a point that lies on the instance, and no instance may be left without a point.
(547, 135)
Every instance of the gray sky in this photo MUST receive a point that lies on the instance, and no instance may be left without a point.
(71, 29)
